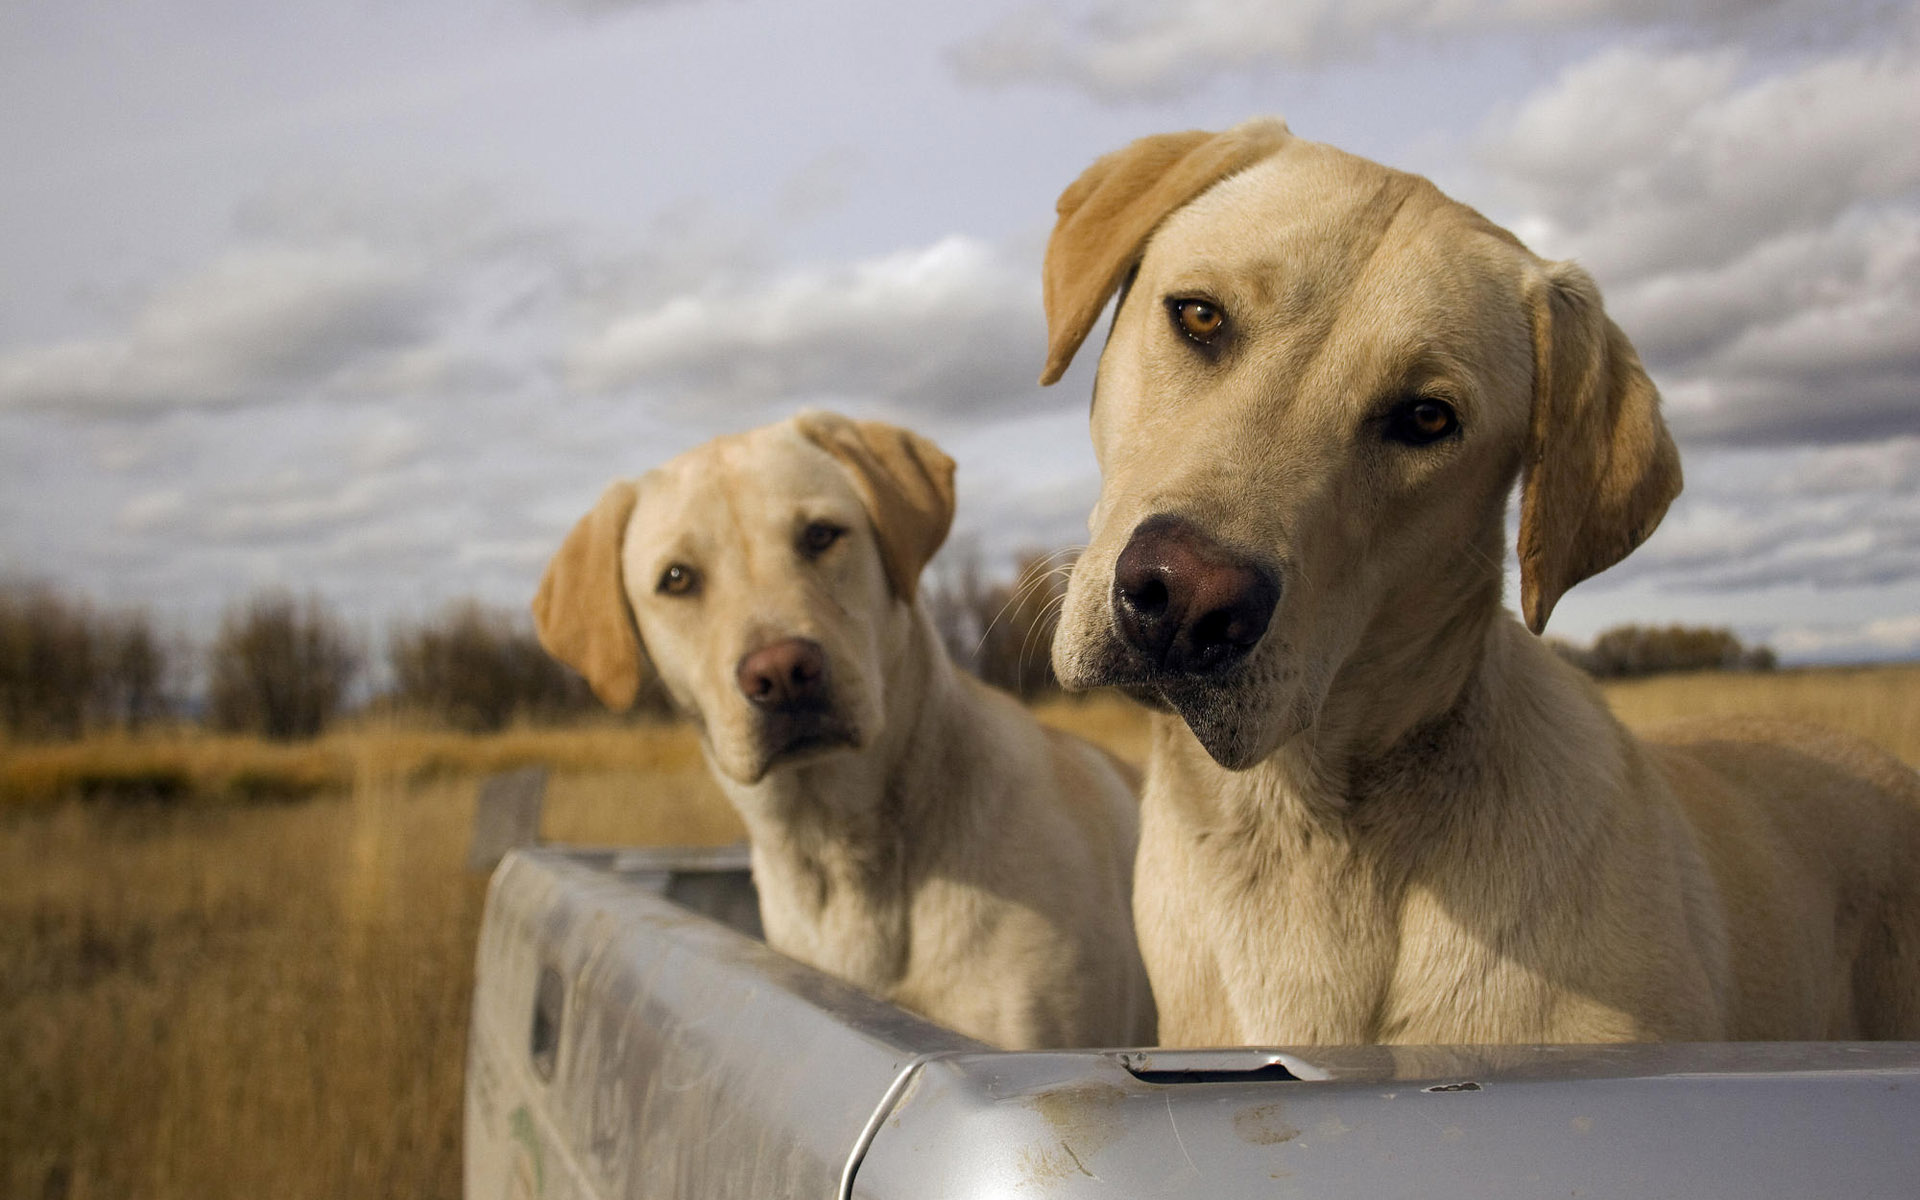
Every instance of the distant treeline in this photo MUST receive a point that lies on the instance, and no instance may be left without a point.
(285, 667)
(1629, 650)
(65, 668)
(279, 666)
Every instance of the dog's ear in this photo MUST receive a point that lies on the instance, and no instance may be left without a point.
(905, 481)
(1600, 467)
(581, 611)
(1108, 213)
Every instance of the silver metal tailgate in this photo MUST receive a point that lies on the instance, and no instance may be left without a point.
(624, 1046)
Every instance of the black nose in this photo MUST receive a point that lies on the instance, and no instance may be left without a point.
(1187, 603)
(790, 673)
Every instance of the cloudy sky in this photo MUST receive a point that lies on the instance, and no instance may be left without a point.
(371, 299)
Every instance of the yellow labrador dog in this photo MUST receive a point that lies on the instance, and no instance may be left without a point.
(1386, 811)
(913, 830)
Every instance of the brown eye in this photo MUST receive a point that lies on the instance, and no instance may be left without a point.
(817, 536)
(1421, 421)
(678, 580)
(1199, 320)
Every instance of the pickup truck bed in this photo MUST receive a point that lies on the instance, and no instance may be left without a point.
(632, 1037)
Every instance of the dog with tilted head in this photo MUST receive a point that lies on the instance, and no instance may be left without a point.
(1378, 808)
(913, 831)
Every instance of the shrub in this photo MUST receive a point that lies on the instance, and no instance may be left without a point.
(1632, 650)
(279, 668)
(47, 662)
(477, 669)
(65, 669)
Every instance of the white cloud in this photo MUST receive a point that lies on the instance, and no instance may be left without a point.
(251, 325)
(1683, 314)
(1756, 227)
(387, 442)
(949, 326)
(600, 8)
(1889, 468)
(1642, 161)
(293, 503)
(152, 512)
(1144, 49)
(1886, 637)
(1127, 49)
(337, 289)
(1824, 518)
(822, 184)
(360, 384)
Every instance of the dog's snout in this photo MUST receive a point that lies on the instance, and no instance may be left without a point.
(790, 673)
(1187, 603)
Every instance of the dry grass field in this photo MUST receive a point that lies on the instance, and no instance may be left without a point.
(205, 994)
(1881, 704)
(232, 969)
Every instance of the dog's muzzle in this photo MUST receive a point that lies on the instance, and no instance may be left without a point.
(1187, 613)
(788, 684)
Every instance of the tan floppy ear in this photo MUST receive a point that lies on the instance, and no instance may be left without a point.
(905, 481)
(581, 611)
(1108, 213)
(1601, 467)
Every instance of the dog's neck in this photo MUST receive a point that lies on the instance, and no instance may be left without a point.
(839, 844)
(1373, 723)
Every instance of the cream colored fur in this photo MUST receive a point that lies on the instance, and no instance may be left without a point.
(1401, 818)
(958, 859)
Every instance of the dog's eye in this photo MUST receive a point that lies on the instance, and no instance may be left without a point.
(817, 536)
(678, 580)
(1421, 421)
(1198, 320)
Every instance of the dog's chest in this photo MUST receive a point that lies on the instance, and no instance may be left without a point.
(1298, 935)
(854, 939)
(1279, 940)
(828, 912)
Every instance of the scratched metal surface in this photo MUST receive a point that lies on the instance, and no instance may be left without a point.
(1693, 1122)
(692, 1061)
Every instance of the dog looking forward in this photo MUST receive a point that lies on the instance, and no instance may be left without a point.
(1381, 810)
(913, 831)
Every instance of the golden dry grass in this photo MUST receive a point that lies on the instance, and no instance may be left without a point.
(193, 764)
(171, 765)
(1111, 722)
(206, 998)
(1881, 704)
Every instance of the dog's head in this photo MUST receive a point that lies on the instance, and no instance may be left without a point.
(1322, 379)
(767, 577)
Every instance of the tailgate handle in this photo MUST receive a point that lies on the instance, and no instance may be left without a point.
(549, 1005)
(1218, 1066)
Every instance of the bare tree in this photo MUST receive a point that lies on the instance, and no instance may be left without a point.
(1016, 645)
(279, 667)
(65, 669)
(953, 595)
(47, 662)
(1003, 631)
(478, 668)
(133, 664)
